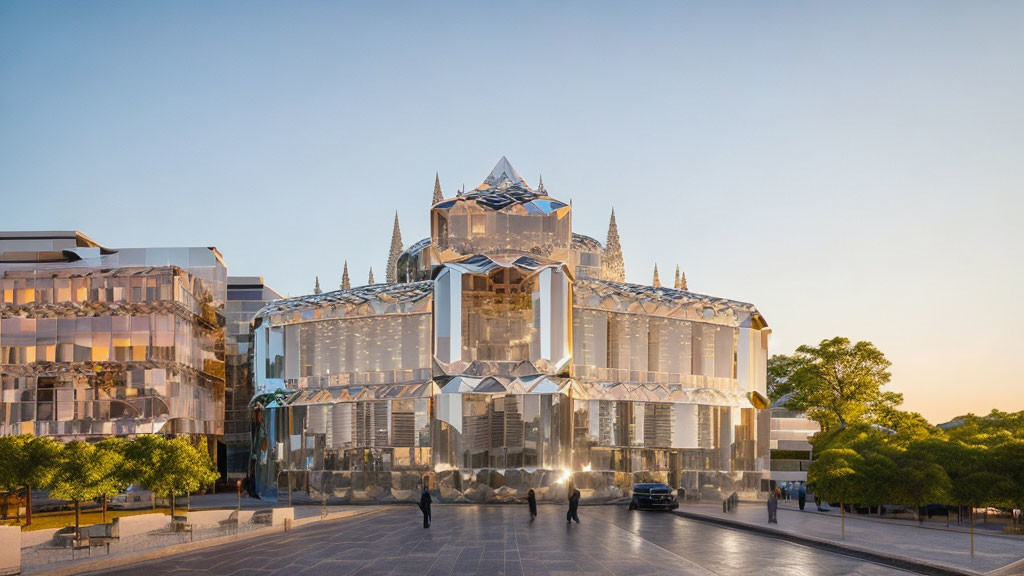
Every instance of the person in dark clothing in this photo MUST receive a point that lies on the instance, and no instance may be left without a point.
(801, 496)
(773, 508)
(425, 507)
(531, 500)
(574, 503)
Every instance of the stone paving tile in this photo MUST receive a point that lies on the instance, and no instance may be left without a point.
(497, 540)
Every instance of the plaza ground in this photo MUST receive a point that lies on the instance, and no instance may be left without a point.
(502, 540)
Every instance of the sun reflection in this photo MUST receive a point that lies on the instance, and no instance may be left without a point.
(586, 468)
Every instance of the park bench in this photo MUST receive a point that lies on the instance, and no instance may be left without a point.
(181, 524)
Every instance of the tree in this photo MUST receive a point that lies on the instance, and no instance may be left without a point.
(39, 463)
(11, 451)
(180, 468)
(84, 472)
(119, 478)
(919, 480)
(837, 381)
(28, 461)
(833, 476)
(780, 369)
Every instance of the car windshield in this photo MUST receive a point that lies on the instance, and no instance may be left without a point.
(641, 489)
(661, 489)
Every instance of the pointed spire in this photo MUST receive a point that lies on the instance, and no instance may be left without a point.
(438, 196)
(676, 283)
(391, 274)
(316, 288)
(540, 184)
(371, 280)
(682, 283)
(612, 266)
(345, 283)
(657, 281)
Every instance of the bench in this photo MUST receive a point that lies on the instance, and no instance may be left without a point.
(181, 524)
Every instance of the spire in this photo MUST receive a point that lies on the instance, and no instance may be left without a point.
(316, 288)
(438, 196)
(611, 261)
(503, 172)
(540, 184)
(676, 284)
(682, 283)
(371, 280)
(657, 281)
(391, 274)
(345, 283)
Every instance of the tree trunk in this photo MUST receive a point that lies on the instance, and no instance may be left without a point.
(104, 508)
(972, 531)
(28, 505)
(78, 516)
(3, 509)
(842, 513)
(172, 505)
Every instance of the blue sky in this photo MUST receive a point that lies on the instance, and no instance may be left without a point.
(853, 169)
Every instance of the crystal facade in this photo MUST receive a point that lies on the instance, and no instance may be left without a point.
(508, 356)
(96, 342)
(246, 295)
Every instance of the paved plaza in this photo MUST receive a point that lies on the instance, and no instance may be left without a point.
(501, 540)
(933, 544)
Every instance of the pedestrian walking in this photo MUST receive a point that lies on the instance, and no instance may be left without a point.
(531, 501)
(425, 507)
(773, 508)
(574, 503)
(801, 496)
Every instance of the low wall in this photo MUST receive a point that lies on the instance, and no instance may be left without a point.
(202, 518)
(279, 515)
(37, 537)
(128, 526)
(10, 549)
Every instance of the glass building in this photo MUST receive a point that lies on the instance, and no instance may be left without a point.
(246, 295)
(98, 342)
(504, 360)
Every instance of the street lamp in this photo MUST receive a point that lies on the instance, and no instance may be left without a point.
(238, 485)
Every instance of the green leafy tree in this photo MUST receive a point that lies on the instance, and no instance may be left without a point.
(884, 411)
(920, 481)
(833, 476)
(780, 368)
(838, 381)
(180, 468)
(119, 477)
(38, 465)
(84, 472)
(11, 452)
(28, 461)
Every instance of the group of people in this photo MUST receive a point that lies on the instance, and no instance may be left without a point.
(572, 515)
(777, 494)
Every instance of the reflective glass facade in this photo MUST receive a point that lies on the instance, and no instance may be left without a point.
(246, 295)
(503, 360)
(97, 342)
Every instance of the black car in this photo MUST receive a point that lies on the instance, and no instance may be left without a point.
(653, 497)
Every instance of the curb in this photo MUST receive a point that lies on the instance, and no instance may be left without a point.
(102, 565)
(893, 561)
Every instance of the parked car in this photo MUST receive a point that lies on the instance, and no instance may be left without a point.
(653, 497)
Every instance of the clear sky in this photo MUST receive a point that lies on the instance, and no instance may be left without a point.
(852, 168)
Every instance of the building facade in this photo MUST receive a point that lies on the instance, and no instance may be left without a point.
(98, 342)
(790, 444)
(246, 295)
(504, 359)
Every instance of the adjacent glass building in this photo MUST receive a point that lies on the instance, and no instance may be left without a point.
(246, 295)
(504, 360)
(98, 342)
